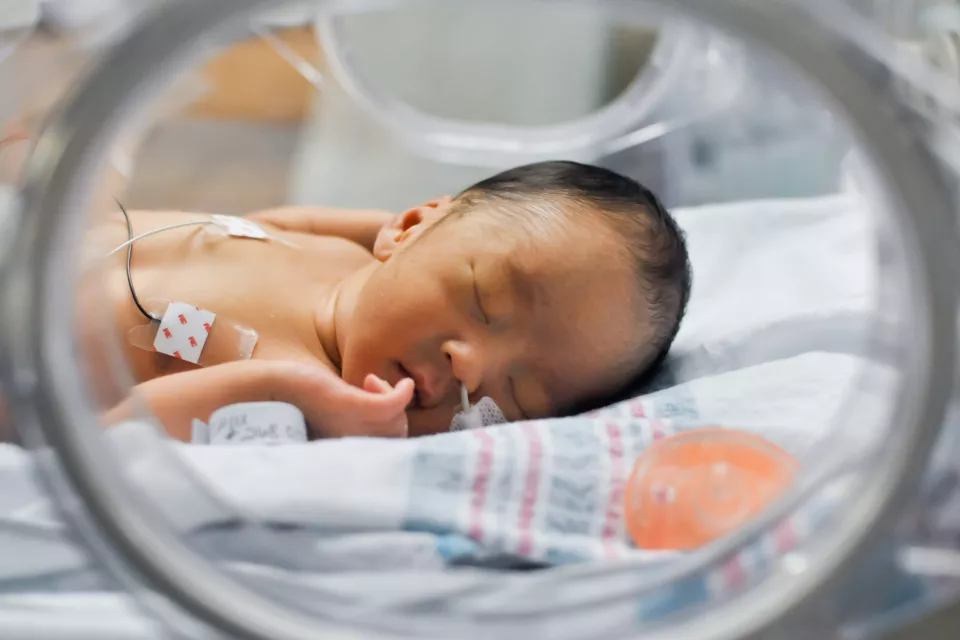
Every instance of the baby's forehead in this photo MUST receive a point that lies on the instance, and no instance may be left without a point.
(573, 280)
(557, 256)
(578, 251)
(547, 214)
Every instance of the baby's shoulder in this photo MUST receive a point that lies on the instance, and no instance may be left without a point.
(331, 251)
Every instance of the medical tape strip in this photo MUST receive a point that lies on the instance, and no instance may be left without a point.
(194, 335)
(240, 227)
(236, 227)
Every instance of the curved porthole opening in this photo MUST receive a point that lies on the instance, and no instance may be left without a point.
(812, 350)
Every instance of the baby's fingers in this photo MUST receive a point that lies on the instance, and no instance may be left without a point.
(379, 410)
(377, 399)
(399, 396)
(375, 384)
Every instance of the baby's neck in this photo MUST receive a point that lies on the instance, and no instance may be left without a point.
(333, 315)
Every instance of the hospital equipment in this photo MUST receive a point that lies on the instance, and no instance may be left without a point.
(485, 413)
(842, 351)
(260, 422)
(180, 330)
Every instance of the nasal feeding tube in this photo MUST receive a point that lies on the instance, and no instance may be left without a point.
(185, 331)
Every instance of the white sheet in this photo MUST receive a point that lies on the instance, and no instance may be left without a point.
(775, 279)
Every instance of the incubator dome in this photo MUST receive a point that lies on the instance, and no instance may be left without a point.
(209, 172)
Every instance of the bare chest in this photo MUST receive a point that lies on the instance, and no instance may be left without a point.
(275, 289)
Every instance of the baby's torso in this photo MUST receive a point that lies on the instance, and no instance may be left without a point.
(271, 287)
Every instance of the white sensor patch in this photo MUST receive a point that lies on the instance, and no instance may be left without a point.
(183, 331)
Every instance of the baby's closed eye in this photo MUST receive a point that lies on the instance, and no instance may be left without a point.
(477, 298)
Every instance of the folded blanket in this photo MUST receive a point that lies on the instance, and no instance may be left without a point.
(548, 492)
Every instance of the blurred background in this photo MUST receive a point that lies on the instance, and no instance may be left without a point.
(257, 133)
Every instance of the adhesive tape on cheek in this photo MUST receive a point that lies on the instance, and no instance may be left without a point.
(485, 413)
(187, 332)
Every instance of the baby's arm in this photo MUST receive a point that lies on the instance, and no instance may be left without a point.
(175, 400)
(331, 407)
(359, 225)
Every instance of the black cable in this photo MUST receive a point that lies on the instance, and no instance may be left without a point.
(133, 291)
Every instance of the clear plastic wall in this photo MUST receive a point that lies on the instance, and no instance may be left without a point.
(808, 150)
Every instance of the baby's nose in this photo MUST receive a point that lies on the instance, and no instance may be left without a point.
(466, 363)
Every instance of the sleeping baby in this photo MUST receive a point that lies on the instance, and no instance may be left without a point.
(550, 289)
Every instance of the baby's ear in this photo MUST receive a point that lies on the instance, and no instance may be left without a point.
(408, 225)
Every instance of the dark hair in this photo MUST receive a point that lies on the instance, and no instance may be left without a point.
(651, 237)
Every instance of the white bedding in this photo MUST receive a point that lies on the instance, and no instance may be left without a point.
(775, 279)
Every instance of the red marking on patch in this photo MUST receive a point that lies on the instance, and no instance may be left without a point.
(176, 354)
(167, 334)
(183, 318)
(193, 341)
(206, 325)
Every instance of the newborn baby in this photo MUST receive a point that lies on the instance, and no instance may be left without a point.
(552, 288)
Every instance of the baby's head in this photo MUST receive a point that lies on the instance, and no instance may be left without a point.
(552, 288)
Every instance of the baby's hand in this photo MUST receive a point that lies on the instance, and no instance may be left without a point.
(335, 409)
(331, 407)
